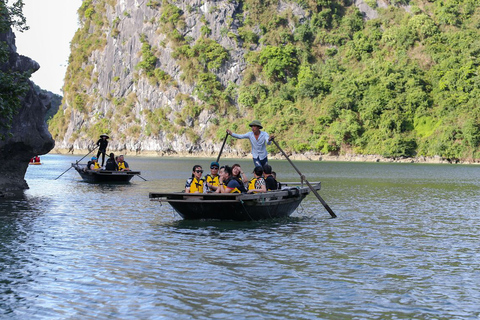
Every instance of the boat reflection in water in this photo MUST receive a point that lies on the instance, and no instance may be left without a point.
(235, 206)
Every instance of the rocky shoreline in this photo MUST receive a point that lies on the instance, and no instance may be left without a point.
(307, 156)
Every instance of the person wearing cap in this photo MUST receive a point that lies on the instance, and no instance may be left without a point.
(93, 164)
(102, 144)
(270, 181)
(258, 139)
(257, 184)
(212, 179)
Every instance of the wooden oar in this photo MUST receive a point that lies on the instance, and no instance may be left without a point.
(221, 149)
(76, 162)
(308, 183)
(142, 177)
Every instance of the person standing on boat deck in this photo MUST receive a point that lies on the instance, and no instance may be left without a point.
(229, 183)
(122, 164)
(258, 140)
(257, 184)
(111, 164)
(195, 183)
(212, 180)
(270, 181)
(102, 144)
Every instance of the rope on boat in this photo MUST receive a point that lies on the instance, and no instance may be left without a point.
(241, 201)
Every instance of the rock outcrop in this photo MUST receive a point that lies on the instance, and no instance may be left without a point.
(28, 135)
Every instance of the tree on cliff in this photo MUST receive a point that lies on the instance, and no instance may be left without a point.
(13, 84)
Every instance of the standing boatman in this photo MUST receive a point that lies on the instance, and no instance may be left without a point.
(258, 140)
(102, 144)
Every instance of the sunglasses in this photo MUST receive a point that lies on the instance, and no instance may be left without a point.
(214, 168)
(197, 171)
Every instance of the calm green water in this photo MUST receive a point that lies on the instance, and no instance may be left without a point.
(405, 245)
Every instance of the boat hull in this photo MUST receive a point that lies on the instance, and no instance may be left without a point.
(104, 176)
(239, 207)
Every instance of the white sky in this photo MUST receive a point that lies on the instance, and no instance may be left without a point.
(53, 24)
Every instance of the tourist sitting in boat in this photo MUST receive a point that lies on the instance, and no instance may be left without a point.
(229, 183)
(122, 164)
(212, 179)
(257, 184)
(93, 164)
(111, 164)
(35, 159)
(270, 181)
(279, 185)
(195, 183)
(239, 174)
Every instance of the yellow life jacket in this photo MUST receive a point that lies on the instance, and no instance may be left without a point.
(97, 166)
(214, 181)
(196, 186)
(236, 189)
(251, 184)
(121, 165)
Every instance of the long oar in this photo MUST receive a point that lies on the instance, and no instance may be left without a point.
(308, 183)
(77, 162)
(221, 149)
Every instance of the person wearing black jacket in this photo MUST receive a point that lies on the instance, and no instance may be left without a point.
(111, 163)
(102, 144)
(270, 181)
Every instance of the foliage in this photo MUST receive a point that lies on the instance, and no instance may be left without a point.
(13, 84)
(319, 74)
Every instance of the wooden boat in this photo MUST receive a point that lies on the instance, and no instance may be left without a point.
(105, 176)
(34, 163)
(235, 206)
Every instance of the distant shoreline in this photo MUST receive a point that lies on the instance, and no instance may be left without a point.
(307, 156)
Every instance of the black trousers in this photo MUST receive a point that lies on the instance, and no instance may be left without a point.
(101, 152)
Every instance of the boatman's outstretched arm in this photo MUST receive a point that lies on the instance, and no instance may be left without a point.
(239, 136)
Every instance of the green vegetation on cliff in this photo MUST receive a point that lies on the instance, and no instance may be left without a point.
(328, 80)
(13, 84)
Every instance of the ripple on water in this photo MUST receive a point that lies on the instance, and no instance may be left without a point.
(404, 246)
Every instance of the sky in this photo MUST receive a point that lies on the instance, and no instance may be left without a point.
(53, 24)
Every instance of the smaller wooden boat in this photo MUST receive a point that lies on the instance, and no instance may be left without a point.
(104, 176)
(235, 206)
(34, 163)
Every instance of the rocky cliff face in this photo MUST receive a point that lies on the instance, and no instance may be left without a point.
(117, 96)
(164, 77)
(29, 135)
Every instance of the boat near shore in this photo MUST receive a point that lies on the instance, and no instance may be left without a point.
(236, 206)
(104, 176)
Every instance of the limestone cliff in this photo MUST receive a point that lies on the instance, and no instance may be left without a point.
(331, 77)
(28, 135)
(156, 76)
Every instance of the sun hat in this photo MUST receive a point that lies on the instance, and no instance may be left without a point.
(104, 135)
(214, 163)
(256, 123)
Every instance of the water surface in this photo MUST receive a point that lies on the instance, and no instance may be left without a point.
(404, 246)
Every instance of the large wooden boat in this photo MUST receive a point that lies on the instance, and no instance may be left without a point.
(235, 206)
(104, 176)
